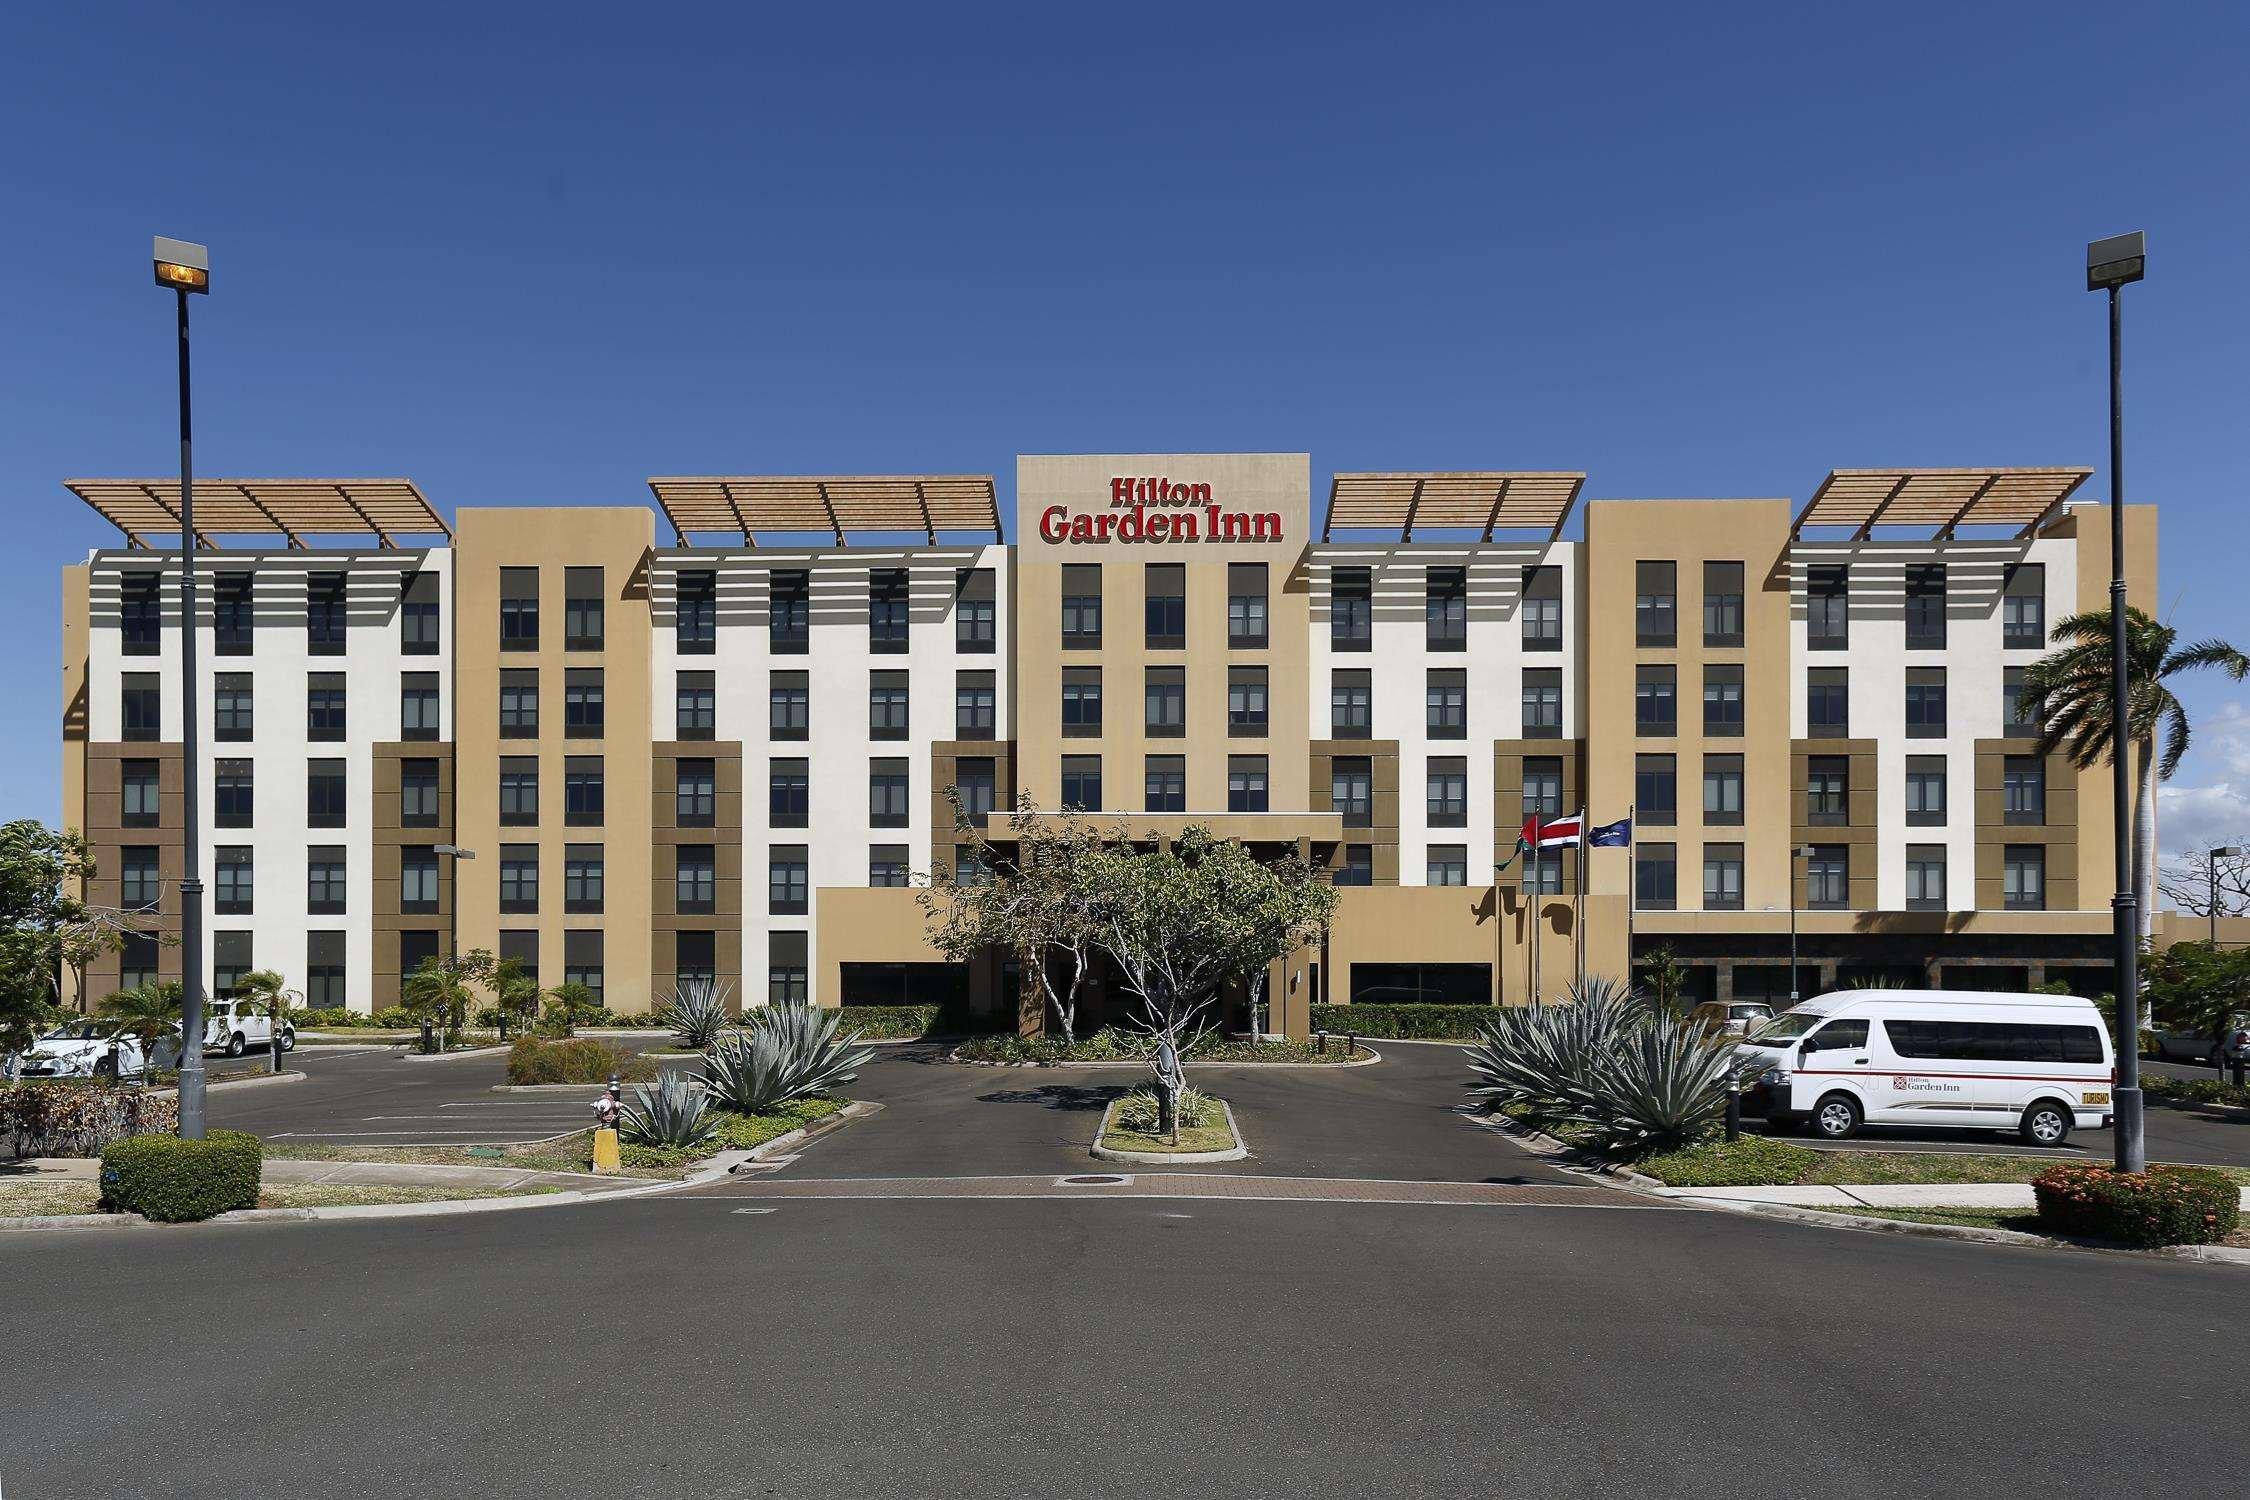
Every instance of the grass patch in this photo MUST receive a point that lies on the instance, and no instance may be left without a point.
(348, 1195)
(1763, 1161)
(40, 1200)
(1213, 1136)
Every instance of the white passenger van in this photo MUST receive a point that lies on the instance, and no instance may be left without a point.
(2036, 1064)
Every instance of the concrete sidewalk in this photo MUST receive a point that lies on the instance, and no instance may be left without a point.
(1898, 1195)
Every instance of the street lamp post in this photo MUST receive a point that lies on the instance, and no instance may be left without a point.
(2211, 869)
(1796, 852)
(453, 920)
(186, 268)
(2111, 266)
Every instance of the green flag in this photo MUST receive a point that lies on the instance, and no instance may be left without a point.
(1523, 846)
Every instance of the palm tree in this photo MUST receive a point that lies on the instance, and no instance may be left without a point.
(2069, 692)
(148, 1011)
(264, 987)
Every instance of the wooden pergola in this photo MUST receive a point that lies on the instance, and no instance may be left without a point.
(1940, 501)
(1480, 502)
(293, 509)
(838, 504)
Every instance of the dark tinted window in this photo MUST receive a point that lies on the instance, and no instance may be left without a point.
(1995, 1041)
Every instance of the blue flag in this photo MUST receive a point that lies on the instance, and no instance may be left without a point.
(1617, 835)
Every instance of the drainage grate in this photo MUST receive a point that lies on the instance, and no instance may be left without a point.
(1095, 1179)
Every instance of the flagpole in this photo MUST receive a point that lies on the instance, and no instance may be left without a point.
(1632, 832)
(1538, 837)
(1578, 900)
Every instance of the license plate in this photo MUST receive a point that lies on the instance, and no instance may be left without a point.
(2097, 1096)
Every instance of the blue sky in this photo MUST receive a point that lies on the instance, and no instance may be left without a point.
(535, 256)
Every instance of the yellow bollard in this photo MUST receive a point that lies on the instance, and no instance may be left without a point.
(605, 1151)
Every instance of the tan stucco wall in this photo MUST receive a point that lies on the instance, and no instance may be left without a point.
(1454, 925)
(2097, 849)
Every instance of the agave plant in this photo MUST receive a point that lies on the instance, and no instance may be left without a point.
(1138, 1111)
(1663, 1085)
(697, 1011)
(1547, 1060)
(788, 1052)
(676, 1112)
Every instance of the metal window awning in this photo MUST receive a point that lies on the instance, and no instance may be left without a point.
(835, 503)
(294, 509)
(1479, 502)
(1940, 501)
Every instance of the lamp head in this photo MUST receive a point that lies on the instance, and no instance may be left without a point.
(2117, 261)
(183, 265)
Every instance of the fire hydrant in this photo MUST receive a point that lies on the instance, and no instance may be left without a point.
(606, 1111)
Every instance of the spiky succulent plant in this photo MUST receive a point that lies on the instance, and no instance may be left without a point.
(675, 1112)
(697, 1011)
(788, 1052)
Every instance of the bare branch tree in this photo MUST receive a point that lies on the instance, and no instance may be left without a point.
(2184, 880)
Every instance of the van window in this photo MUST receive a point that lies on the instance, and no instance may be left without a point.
(1995, 1041)
(1837, 1036)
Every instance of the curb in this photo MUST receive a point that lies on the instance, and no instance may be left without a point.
(454, 1056)
(212, 1086)
(1240, 1152)
(1369, 1060)
(782, 1145)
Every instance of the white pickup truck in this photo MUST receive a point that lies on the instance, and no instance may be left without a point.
(235, 1026)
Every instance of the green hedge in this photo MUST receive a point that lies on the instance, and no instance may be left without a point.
(2194, 1090)
(575, 1060)
(1432, 1023)
(2161, 1206)
(172, 1181)
(887, 1022)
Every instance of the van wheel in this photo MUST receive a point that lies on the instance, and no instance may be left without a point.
(236, 1046)
(2046, 1123)
(1835, 1118)
(289, 1041)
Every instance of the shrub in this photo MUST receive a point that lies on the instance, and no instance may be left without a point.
(396, 1017)
(1753, 1161)
(574, 1060)
(1138, 1111)
(673, 1113)
(2195, 1090)
(327, 1018)
(172, 1181)
(698, 1011)
(788, 1052)
(890, 1022)
(1441, 1023)
(81, 1118)
(2161, 1206)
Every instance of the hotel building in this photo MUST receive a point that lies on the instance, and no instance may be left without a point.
(722, 736)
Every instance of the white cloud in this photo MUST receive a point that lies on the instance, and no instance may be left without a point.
(2208, 802)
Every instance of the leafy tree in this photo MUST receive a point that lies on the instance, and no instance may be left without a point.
(149, 1012)
(569, 1005)
(2196, 988)
(1663, 980)
(264, 986)
(441, 990)
(1284, 916)
(38, 870)
(516, 993)
(2069, 692)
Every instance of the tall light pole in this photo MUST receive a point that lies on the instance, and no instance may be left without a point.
(1796, 852)
(2211, 869)
(453, 920)
(186, 268)
(2111, 266)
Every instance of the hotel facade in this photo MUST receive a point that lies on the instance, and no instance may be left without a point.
(723, 736)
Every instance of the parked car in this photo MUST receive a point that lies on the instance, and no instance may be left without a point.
(91, 1048)
(1730, 1017)
(235, 1026)
(2039, 1065)
(2231, 1044)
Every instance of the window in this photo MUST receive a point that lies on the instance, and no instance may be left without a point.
(1656, 789)
(1925, 791)
(418, 615)
(519, 609)
(324, 792)
(1358, 867)
(786, 804)
(521, 945)
(1828, 790)
(1448, 864)
(1542, 786)
(136, 960)
(1722, 700)
(140, 885)
(324, 614)
(1246, 605)
(1656, 877)
(1828, 703)
(1445, 696)
(1081, 702)
(231, 708)
(1166, 611)
(1246, 702)
(582, 791)
(324, 971)
(1722, 790)
(1542, 609)
(886, 705)
(1081, 606)
(695, 614)
(695, 956)
(324, 707)
(2023, 607)
(974, 618)
(695, 879)
(1828, 607)
(519, 703)
(230, 960)
(789, 616)
(1994, 1041)
(233, 792)
(1542, 703)
(886, 793)
(519, 791)
(140, 614)
(418, 879)
(519, 879)
(2018, 720)
(786, 883)
(1656, 603)
(582, 959)
(1351, 713)
(1722, 604)
(236, 882)
(977, 780)
(232, 614)
(1351, 610)
(418, 706)
(2024, 787)
(582, 877)
(583, 712)
(1082, 782)
(1828, 877)
(1925, 703)
(141, 705)
(695, 706)
(139, 803)
(1246, 783)
(418, 794)
(324, 880)
(415, 948)
(1164, 787)
(1351, 790)
(887, 599)
(1925, 607)
(973, 715)
(2023, 877)
(695, 793)
(1166, 708)
(1656, 709)
(1445, 609)
(1448, 791)
(789, 705)
(786, 969)
(1722, 877)
(886, 865)
(583, 623)
(1925, 877)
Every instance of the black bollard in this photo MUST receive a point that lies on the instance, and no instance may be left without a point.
(1734, 1114)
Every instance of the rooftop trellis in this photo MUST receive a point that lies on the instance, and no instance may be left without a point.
(290, 508)
(1939, 500)
(835, 503)
(1481, 502)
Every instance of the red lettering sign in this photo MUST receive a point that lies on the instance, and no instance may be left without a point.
(1154, 508)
